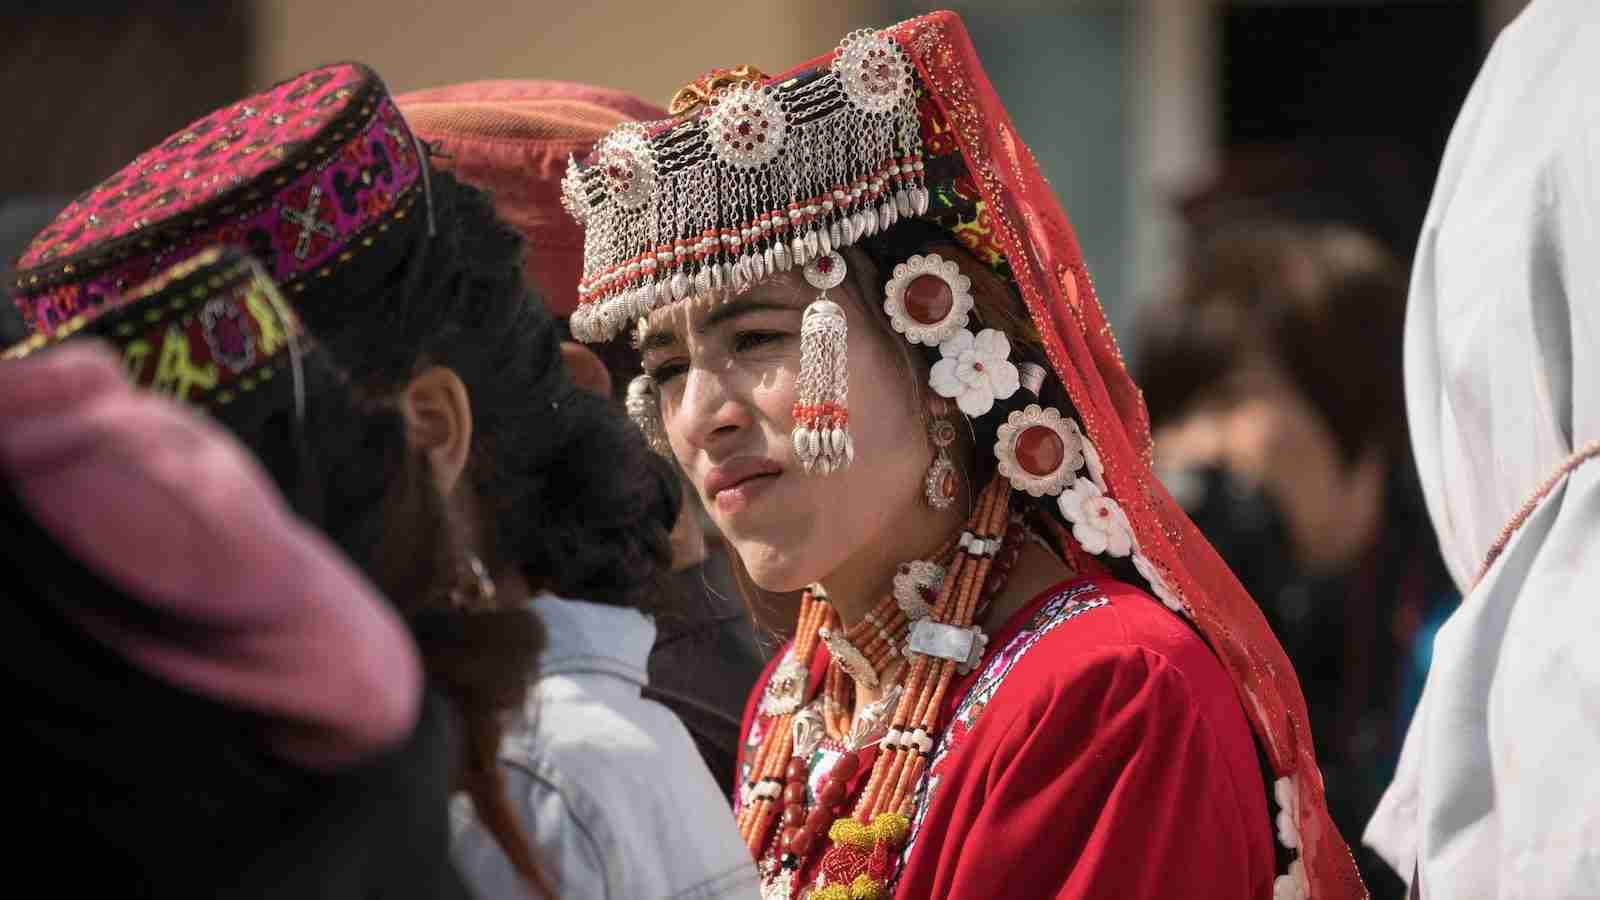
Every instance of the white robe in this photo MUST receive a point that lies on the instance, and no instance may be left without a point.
(1498, 789)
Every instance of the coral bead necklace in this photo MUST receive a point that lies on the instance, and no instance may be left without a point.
(910, 647)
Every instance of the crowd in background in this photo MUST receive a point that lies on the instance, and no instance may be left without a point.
(1272, 370)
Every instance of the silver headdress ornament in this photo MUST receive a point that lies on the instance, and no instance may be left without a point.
(763, 177)
(644, 408)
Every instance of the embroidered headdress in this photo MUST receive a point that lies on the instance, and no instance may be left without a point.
(754, 175)
(317, 177)
(212, 332)
(513, 139)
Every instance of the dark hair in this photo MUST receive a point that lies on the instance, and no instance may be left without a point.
(1183, 354)
(1327, 302)
(348, 469)
(570, 494)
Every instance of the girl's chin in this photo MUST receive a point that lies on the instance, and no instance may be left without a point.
(773, 568)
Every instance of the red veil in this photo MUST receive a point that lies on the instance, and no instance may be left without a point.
(1031, 230)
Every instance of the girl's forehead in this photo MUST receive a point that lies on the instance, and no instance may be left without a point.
(701, 312)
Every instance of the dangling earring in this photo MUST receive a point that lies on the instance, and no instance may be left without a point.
(821, 410)
(475, 592)
(644, 408)
(939, 486)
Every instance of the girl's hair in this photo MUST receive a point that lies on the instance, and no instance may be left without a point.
(348, 469)
(567, 492)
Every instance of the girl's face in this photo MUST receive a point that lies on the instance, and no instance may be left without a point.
(727, 372)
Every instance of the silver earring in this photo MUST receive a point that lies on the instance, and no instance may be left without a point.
(644, 408)
(821, 411)
(939, 486)
(475, 592)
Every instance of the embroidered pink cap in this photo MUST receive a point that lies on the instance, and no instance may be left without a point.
(314, 176)
(212, 332)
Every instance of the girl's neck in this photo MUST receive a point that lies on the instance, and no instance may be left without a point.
(865, 578)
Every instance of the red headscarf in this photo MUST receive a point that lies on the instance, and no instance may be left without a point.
(1047, 267)
(513, 139)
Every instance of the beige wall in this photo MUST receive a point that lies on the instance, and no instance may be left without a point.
(648, 48)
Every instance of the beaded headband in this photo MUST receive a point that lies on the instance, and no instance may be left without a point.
(212, 332)
(313, 176)
(753, 177)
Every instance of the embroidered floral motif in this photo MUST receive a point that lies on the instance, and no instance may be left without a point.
(228, 336)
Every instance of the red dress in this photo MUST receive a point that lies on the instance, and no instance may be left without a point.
(1100, 751)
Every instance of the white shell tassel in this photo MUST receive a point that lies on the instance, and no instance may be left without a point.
(822, 441)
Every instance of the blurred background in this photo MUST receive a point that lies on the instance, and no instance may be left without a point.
(1247, 178)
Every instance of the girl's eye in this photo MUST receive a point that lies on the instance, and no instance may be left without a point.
(750, 340)
(667, 371)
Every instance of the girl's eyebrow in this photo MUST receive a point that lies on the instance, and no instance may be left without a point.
(742, 306)
(723, 312)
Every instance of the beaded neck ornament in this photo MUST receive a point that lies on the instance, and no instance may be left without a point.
(315, 177)
(212, 332)
(756, 175)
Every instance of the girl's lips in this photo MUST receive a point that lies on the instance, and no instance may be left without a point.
(735, 471)
(732, 500)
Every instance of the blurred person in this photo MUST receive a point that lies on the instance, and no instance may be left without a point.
(513, 139)
(207, 699)
(1495, 793)
(870, 342)
(415, 288)
(1276, 401)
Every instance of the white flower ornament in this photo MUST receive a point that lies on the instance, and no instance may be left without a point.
(1158, 585)
(1098, 522)
(1283, 790)
(1293, 885)
(975, 370)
